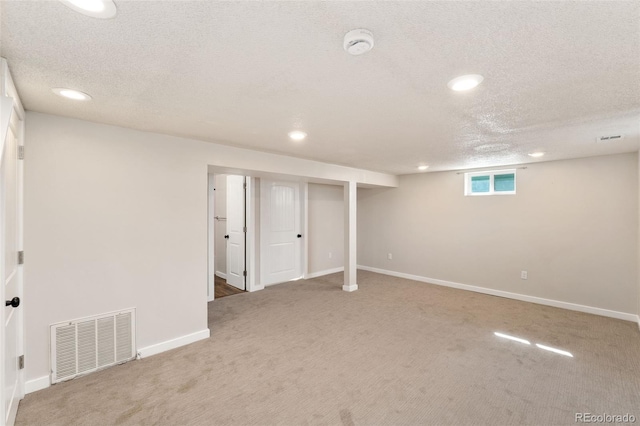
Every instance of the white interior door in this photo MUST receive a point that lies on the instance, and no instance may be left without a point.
(10, 226)
(280, 231)
(235, 231)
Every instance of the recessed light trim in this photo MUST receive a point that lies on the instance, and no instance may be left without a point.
(102, 9)
(465, 82)
(297, 135)
(75, 95)
(536, 154)
(423, 168)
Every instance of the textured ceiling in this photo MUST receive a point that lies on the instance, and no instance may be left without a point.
(557, 74)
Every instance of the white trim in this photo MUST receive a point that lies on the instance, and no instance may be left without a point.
(35, 385)
(508, 295)
(173, 343)
(8, 88)
(211, 243)
(221, 275)
(325, 272)
(252, 248)
(352, 287)
(305, 229)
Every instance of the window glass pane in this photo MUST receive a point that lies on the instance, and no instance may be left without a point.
(480, 184)
(505, 182)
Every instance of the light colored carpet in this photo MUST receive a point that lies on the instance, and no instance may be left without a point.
(395, 352)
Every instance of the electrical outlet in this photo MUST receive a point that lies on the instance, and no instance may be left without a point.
(330, 255)
(524, 275)
(389, 256)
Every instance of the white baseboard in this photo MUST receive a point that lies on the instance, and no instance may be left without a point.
(351, 287)
(173, 343)
(516, 296)
(45, 381)
(37, 384)
(221, 275)
(325, 272)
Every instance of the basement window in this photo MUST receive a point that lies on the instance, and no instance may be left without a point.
(497, 182)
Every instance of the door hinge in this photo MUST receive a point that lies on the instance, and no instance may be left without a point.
(244, 185)
(244, 229)
(21, 257)
(244, 273)
(21, 362)
(20, 152)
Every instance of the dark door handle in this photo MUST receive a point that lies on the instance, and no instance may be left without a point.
(299, 235)
(15, 302)
(226, 236)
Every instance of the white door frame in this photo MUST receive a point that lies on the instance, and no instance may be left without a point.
(11, 104)
(211, 242)
(253, 279)
(304, 224)
(252, 282)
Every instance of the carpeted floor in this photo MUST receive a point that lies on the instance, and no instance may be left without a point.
(395, 352)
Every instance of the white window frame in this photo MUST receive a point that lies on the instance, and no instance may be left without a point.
(491, 174)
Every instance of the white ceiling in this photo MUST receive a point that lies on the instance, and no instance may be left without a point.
(557, 74)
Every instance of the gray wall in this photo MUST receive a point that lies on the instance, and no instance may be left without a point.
(326, 227)
(573, 225)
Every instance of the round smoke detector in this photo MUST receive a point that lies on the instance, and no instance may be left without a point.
(359, 41)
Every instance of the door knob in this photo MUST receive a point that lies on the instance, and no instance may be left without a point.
(299, 235)
(15, 302)
(226, 236)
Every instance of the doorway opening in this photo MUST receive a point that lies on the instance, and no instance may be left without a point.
(256, 232)
(229, 214)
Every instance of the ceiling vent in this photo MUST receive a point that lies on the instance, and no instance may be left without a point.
(359, 41)
(609, 138)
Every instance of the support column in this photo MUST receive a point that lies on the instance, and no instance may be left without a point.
(350, 229)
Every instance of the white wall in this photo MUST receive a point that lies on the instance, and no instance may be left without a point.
(113, 219)
(326, 227)
(117, 218)
(573, 225)
(220, 209)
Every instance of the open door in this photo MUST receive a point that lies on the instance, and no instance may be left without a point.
(236, 231)
(280, 231)
(10, 271)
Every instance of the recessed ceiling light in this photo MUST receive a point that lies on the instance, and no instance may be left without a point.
(536, 154)
(297, 135)
(103, 9)
(423, 168)
(465, 82)
(71, 94)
